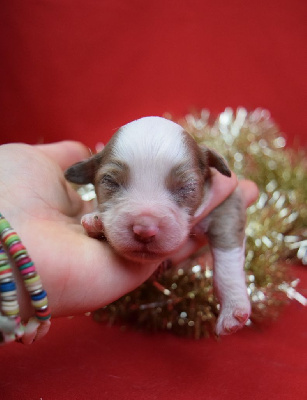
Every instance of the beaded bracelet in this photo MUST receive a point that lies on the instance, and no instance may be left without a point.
(10, 321)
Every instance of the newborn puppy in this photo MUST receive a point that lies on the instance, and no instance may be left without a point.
(151, 180)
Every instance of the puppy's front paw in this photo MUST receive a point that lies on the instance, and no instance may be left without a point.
(92, 223)
(233, 316)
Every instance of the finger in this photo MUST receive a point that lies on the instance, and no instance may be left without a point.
(190, 247)
(221, 187)
(65, 153)
(249, 191)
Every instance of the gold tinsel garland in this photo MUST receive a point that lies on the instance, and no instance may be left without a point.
(182, 299)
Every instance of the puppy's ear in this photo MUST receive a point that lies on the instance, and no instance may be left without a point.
(83, 172)
(215, 160)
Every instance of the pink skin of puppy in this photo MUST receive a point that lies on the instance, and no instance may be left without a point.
(152, 180)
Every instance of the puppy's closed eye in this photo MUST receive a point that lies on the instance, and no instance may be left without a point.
(111, 179)
(185, 187)
(185, 191)
(109, 182)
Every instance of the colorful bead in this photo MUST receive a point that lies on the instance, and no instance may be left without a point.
(8, 297)
(22, 260)
(6, 275)
(10, 308)
(16, 249)
(25, 265)
(9, 237)
(3, 224)
(8, 290)
(33, 284)
(43, 314)
(27, 270)
(7, 286)
(39, 296)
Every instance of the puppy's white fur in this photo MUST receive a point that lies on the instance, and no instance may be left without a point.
(229, 281)
(151, 180)
(150, 149)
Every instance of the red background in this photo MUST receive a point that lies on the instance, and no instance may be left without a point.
(72, 69)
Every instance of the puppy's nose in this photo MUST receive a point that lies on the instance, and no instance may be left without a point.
(145, 229)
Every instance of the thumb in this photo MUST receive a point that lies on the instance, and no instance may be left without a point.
(65, 153)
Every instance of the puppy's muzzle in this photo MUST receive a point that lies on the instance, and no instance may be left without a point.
(145, 228)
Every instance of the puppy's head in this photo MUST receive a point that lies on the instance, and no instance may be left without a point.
(150, 179)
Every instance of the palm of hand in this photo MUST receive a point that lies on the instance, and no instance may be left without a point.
(78, 273)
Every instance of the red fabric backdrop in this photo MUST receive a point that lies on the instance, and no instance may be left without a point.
(73, 69)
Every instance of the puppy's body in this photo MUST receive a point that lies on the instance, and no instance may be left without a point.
(151, 181)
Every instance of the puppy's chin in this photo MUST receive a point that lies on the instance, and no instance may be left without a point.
(144, 256)
(141, 253)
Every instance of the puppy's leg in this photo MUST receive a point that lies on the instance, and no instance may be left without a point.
(226, 226)
(229, 281)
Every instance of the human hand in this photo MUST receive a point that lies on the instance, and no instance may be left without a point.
(79, 273)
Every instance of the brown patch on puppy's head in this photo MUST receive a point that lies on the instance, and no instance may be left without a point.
(186, 180)
(108, 174)
(206, 158)
(85, 172)
(215, 160)
(111, 177)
